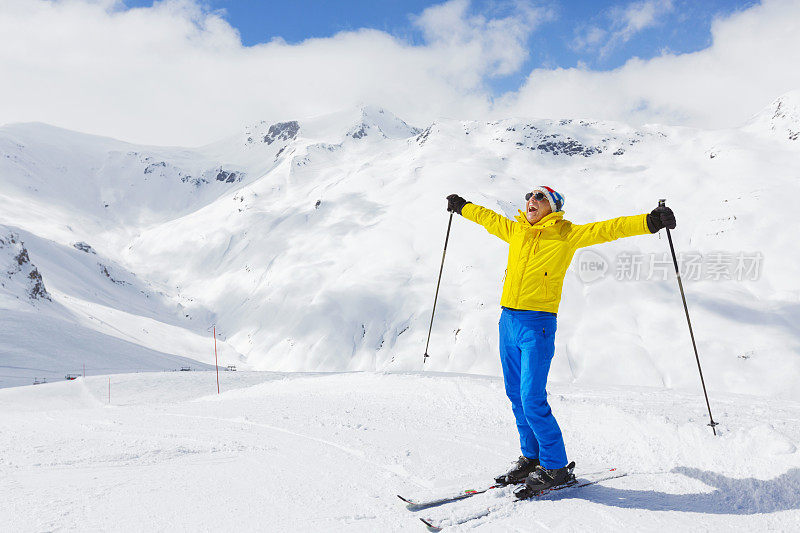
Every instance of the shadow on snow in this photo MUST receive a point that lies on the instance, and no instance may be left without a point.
(731, 495)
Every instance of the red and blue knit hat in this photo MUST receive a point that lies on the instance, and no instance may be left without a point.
(555, 198)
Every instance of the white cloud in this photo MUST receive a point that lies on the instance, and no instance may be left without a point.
(589, 38)
(752, 60)
(493, 47)
(640, 15)
(624, 23)
(177, 73)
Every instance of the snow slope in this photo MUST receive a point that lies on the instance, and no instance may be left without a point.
(329, 452)
(315, 244)
(90, 314)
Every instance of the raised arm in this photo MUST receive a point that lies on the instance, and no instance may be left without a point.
(616, 228)
(494, 223)
(607, 230)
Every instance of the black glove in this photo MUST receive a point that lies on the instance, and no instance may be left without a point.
(660, 217)
(455, 203)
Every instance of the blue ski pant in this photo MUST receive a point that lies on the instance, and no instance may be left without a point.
(527, 345)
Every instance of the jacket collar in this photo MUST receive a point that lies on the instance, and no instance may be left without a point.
(546, 222)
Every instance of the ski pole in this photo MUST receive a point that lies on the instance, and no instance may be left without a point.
(688, 321)
(441, 268)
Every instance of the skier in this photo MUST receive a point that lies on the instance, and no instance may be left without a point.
(541, 246)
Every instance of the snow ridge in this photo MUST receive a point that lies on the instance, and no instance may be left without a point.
(311, 244)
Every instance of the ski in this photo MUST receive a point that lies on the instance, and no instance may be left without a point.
(413, 504)
(589, 479)
(418, 505)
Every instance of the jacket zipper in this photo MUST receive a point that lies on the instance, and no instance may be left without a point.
(546, 292)
(527, 259)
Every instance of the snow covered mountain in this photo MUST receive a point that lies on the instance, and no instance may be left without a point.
(315, 245)
(781, 118)
(97, 316)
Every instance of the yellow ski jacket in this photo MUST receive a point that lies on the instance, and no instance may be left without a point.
(539, 254)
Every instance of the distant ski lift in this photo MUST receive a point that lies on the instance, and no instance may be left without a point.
(72, 376)
(186, 368)
(232, 368)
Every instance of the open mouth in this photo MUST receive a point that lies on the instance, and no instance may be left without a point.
(532, 209)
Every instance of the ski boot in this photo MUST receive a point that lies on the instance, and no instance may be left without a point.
(542, 480)
(521, 469)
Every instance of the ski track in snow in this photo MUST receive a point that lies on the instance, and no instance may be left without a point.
(350, 451)
(329, 452)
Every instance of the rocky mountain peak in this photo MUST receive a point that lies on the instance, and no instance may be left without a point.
(266, 133)
(378, 121)
(781, 117)
(19, 276)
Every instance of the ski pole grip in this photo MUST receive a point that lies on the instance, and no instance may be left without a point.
(662, 202)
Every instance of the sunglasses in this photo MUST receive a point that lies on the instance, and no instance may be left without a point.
(538, 196)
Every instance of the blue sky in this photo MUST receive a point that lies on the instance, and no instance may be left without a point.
(683, 28)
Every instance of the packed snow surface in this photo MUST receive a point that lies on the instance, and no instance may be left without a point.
(330, 452)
